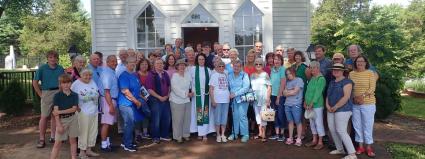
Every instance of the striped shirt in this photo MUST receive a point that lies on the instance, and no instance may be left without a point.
(364, 83)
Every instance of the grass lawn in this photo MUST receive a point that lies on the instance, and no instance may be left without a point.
(405, 151)
(412, 106)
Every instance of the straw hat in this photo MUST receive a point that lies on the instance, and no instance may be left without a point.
(181, 61)
(338, 66)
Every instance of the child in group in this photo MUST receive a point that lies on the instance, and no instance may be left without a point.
(65, 104)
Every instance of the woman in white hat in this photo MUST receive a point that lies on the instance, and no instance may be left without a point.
(339, 105)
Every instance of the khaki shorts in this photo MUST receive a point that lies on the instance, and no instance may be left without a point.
(47, 102)
(70, 128)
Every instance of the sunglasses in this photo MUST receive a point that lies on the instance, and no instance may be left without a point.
(279, 50)
(226, 49)
(258, 64)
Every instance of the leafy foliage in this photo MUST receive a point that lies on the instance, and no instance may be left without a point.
(65, 24)
(380, 33)
(13, 99)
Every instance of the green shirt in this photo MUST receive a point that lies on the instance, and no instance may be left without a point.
(64, 101)
(48, 76)
(300, 72)
(314, 92)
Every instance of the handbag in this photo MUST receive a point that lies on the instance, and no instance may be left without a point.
(249, 96)
(309, 114)
(268, 114)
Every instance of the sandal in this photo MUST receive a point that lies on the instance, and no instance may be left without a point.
(263, 139)
(257, 137)
(311, 144)
(318, 147)
(41, 144)
(370, 152)
(289, 141)
(298, 142)
(360, 150)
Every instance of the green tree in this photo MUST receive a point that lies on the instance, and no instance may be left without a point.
(378, 30)
(11, 13)
(63, 25)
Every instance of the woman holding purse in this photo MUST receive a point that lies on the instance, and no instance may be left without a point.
(239, 85)
(261, 85)
(364, 104)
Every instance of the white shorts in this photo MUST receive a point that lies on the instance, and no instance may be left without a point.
(107, 118)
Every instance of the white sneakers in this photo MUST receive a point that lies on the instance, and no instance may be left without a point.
(221, 138)
(337, 152)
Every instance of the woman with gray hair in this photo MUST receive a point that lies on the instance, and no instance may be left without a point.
(88, 98)
(233, 56)
(129, 102)
(313, 101)
(261, 85)
(78, 63)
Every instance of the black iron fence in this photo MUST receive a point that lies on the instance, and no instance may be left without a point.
(24, 77)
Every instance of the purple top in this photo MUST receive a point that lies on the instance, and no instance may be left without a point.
(164, 81)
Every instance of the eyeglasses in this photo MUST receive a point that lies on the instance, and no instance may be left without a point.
(279, 50)
(226, 49)
(258, 64)
(221, 66)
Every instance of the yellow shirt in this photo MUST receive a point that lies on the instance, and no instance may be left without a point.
(364, 83)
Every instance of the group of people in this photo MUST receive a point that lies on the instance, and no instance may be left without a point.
(193, 91)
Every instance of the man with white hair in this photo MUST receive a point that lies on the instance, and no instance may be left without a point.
(123, 54)
(95, 67)
(258, 47)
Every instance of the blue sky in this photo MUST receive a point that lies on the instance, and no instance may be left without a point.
(86, 3)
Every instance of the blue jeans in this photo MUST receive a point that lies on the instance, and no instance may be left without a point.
(160, 119)
(220, 113)
(127, 115)
(240, 119)
(280, 117)
(293, 113)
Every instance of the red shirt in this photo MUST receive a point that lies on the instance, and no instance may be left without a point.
(249, 70)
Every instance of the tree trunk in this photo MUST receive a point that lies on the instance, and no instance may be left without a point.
(1, 11)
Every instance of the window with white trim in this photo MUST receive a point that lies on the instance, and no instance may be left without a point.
(150, 30)
(248, 27)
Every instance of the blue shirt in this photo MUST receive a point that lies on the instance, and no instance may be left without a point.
(325, 64)
(239, 85)
(96, 75)
(109, 81)
(120, 69)
(351, 62)
(336, 92)
(275, 78)
(131, 82)
(298, 98)
(229, 68)
(48, 76)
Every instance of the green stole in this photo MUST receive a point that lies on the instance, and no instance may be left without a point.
(202, 111)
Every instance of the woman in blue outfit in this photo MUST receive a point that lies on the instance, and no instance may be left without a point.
(158, 85)
(239, 85)
(129, 100)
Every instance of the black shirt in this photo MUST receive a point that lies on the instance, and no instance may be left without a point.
(64, 101)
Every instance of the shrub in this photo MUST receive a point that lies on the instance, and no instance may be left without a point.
(12, 99)
(36, 103)
(387, 92)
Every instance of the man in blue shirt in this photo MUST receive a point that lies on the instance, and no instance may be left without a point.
(325, 63)
(96, 68)
(108, 100)
(178, 44)
(48, 74)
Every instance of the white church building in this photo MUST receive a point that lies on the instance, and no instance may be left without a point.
(146, 25)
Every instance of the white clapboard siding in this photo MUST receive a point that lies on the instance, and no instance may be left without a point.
(291, 23)
(110, 26)
(284, 21)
